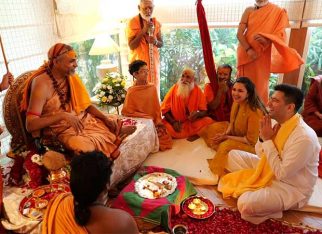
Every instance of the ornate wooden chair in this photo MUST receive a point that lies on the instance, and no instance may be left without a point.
(15, 120)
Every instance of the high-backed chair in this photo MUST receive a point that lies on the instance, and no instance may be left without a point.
(15, 120)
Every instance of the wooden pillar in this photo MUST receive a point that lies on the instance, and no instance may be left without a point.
(297, 41)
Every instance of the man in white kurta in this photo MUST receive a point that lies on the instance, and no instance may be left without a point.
(295, 170)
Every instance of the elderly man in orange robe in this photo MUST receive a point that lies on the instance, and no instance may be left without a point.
(57, 105)
(144, 39)
(142, 101)
(262, 48)
(185, 107)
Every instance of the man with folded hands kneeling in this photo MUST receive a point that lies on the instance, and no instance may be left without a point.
(283, 173)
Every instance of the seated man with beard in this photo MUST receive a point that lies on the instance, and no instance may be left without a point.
(57, 105)
(185, 108)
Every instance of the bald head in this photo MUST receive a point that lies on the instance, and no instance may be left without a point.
(189, 72)
(146, 1)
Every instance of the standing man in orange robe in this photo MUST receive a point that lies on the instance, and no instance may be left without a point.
(219, 104)
(144, 33)
(262, 45)
(185, 108)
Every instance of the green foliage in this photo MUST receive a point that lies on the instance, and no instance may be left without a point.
(182, 48)
(313, 65)
(87, 64)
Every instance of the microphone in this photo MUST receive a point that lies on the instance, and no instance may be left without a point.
(151, 27)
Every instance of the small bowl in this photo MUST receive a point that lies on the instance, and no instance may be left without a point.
(180, 229)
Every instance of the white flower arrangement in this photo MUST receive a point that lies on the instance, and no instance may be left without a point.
(111, 90)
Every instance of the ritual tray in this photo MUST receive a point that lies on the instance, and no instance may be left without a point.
(155, 185)
(198, 207)
(34, 205)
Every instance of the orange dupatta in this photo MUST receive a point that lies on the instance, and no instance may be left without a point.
(79, 96)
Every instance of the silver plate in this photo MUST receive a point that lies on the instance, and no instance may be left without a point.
(156, 185)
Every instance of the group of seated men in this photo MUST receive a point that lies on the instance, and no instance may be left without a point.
(56, 103)
(282, 173)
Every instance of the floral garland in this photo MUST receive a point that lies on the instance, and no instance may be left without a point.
(27, 168)
(111, 90)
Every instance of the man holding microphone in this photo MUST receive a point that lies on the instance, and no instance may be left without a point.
(144, 39)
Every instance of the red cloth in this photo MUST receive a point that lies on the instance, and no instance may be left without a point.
(222, 113)
(206, 46)
(313, 102)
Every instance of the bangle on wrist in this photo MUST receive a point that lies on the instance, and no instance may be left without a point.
(248, 48)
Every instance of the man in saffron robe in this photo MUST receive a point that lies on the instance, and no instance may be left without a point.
(57, 104)
(142, 101)
(262, 48)
(141, 39)
(185, 108)
(219, 105)
(283, 173)
(312, 113)
(83, 211)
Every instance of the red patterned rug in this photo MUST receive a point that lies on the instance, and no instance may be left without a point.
(227, 221)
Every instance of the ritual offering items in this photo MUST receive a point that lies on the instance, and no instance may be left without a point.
(155, 185)
(129, 122)
(34, 205)
(198, 207)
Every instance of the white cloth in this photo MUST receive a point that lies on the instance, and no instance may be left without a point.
(135, 149)
(295, 175)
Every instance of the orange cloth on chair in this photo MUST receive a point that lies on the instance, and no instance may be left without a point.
(142, 51)
(59, 216)
(181, 108)
(269, 21)
(79, 96)
(142, 101)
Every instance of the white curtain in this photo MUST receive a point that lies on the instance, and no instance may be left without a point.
(81, 19)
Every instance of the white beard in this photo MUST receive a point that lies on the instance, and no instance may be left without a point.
(261, 4)
(146, 18)
(184, 89)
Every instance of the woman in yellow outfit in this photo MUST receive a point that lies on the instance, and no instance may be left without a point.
(243, 129)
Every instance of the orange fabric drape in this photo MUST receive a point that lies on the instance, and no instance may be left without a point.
(59, 216)
(142, 51)
(181, 108)
(142, 101)
(269, 21)
(79, 96)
